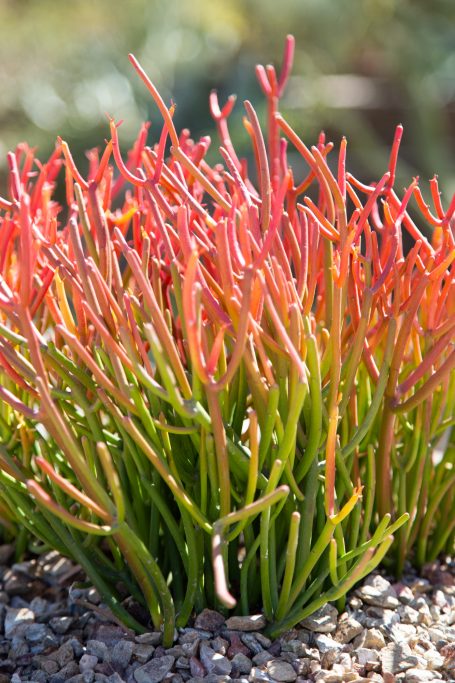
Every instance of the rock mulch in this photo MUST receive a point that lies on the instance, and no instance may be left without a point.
(53, 632)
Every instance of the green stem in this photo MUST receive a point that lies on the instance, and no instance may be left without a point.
(290, 564)
(143, 565)
(368, 496)
(193, 571)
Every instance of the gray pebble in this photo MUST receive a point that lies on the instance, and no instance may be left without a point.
(241, 664)
(191, 649)
(182, 663)
(15, 618)
(87, 662)
(39, 606)
(257, 675)
(248, 623)
(214, 662)
(97, 648)
(50, 641)
(86, 677)
(404, 594)
(143, 652)
(275, 648)
(155, 670)
(196, 668)
(325, 643)
(209, 620)
(236, 645)
(121, 654)
(328, 658)
(150, 638)
(76, 644)
(408, 615)
(379, 592)
(68, 671)
(377, 617)
(64, 654)
(250, 641)
(19, 647)
(365, 655)
(60, 625)
(370, 638)
(49, 666)
(303, 666)
(397, 657)
(54, 566)
(296, 647)
(263, 640)
(36, 632)
(219, 644)
(189, 635)
(176, 651)
(115, 678)
(324, 620)
(434, 659)
(402, 632)
(281, 671)
(348, 628)
(93, 596)
(262, 658)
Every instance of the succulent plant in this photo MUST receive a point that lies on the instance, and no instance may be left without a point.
(225, 388)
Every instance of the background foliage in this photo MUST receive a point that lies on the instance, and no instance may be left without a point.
(360, 69)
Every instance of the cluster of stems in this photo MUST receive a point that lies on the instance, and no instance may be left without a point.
(210, 375)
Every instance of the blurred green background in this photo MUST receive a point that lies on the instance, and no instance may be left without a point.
(361, 67)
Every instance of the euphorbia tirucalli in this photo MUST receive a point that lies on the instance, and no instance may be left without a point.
(225, 378)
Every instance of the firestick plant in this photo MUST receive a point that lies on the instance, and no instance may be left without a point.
(235, 387)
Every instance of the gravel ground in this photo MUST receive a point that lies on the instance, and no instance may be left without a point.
(54, 632)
